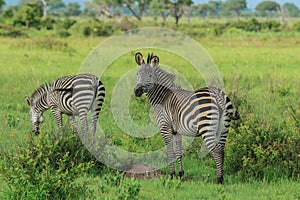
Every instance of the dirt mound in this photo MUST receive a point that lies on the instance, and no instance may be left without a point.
(141, 171)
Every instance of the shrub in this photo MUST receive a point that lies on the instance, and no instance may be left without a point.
(124, 188)
(9, 31)
(261, 148)
(126, 25)
(63, 33)
(270, 25)
(48, 23)
(46, 168)
(68, 23)
(93, 28)
(251, 25)
(296, 26)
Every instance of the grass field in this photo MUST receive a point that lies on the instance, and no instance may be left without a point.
(261, 74)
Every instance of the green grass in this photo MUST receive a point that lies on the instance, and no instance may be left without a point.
(264, 71)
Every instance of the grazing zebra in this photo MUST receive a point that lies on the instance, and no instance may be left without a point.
(206, 112)
(70, 95)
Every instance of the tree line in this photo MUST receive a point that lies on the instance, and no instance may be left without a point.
(26, 12)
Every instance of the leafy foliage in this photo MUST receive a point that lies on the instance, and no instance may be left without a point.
(10, 31)
(94, 28)
(46, 168)
(72, 9)
(29, 15)
(235, 6)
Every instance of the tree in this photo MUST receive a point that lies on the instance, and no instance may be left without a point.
(72, 9)
(235, 6)
(29, 15)
(89, 9)
(104, 7)
(2, 3)
(291, 9)
(9, 12)
(217, 6)
(270, 7)
(54, 6)
(267, 7)
(23, 3)
(162, 8)
(205, 10)
(140, 6)
(187, 11)
(44, 2)
(178, 8)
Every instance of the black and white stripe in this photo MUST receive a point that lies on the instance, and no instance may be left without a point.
(206, 112)
(70, 95)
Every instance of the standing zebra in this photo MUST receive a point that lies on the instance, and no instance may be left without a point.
(206, 112)
(70, 95)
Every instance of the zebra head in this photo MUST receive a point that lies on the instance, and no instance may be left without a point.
(36, 117)
(146, 76)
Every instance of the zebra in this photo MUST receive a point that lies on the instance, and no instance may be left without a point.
(71, 95)
(206, 112)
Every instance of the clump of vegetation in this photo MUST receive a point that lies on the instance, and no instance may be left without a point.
(296, 26)
(94, 28)
(10, 31)
(47, 168)
(114, 184)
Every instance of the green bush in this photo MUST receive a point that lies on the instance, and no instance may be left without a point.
(94, 28)
(251, 25)
(68, 23)
(125, 24)
(9, 31)
(47, 168)
(270, 25)
(63, 33)
(48, 23)
(264, 148)
(296, 26)
(123, 188)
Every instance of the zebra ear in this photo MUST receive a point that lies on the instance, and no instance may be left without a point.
(154, 61)
(27, 100)
(139, 58)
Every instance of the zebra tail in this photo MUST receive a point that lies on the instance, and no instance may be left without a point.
(235, 115)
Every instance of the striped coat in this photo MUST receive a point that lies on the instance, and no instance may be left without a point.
(70, 95)
(206, 112)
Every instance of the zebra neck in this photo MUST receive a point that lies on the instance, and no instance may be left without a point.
(40, 98)
(42, 104)
(159, 94)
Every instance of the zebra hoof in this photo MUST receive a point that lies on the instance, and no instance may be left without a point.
(181, 174)
(220, 180)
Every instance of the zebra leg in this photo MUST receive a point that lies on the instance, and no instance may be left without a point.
(218, 155)
(217, 152)
(83, 128)
(168, 139)
(57, 116)
(94, 122)
(95, 115)
(97, 106)
(178, 153)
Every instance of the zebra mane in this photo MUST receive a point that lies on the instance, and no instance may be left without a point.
(40, 91)
(150, 56)
(165, 79)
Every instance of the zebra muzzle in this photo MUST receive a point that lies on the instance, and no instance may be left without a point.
(138, 91)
